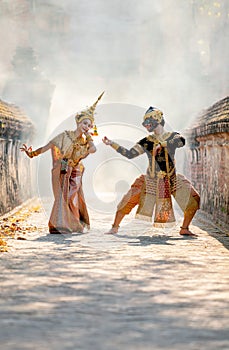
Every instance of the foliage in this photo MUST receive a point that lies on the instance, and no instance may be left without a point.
(15, 226)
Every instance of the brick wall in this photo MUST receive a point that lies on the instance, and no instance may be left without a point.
(208, 141)
(16, 174)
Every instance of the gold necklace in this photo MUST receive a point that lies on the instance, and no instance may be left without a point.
(159, 138)
(77, 141)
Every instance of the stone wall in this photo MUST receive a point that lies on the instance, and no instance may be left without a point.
(209, 156)
(16, 172)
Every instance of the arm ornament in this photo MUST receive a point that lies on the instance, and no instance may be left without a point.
(33, 154)
(115, 145)
(130, 153)
(177, 140)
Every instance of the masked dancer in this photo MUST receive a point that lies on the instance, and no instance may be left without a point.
(152, 192)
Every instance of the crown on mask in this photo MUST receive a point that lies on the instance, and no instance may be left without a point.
(88, 113)
(154, 113)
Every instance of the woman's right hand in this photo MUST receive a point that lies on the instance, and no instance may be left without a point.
(107, 141)
(27, 150)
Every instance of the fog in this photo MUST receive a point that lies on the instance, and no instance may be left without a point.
(57, 56)
(172, 54)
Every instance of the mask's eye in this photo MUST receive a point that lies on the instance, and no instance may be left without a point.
(146, 122)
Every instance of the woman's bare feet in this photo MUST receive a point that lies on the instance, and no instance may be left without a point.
(184, 231)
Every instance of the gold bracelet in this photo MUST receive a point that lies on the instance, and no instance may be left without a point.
(33, 154)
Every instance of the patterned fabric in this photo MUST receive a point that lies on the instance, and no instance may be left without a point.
(69, 212)
(69, 147)
(143, 192)
(169, 141)
(152, 192)
(132, 153)
(164, 214)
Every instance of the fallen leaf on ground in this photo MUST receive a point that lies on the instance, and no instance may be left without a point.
(14, 224)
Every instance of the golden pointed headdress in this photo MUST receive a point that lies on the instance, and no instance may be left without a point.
(88, 113)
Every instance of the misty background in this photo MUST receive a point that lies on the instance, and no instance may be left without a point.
(57, 56)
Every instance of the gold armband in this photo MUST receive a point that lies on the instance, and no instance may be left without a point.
(163, 144)
(114, 145)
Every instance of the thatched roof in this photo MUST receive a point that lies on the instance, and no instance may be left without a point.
(213, 120)
(14, 124)
(217, 113)
(11, 111)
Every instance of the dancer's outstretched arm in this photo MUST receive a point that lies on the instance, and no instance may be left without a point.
(128, 153)
(31, 154)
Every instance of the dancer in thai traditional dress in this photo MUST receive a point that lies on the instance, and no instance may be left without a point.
(69, 212)
(152, 192)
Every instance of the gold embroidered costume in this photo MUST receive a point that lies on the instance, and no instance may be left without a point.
(152, 192)
(69, 212)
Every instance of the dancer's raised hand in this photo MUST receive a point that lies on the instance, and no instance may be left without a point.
(27, 150)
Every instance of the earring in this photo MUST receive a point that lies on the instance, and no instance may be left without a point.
(95, 132)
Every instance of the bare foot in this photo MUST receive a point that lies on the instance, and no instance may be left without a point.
(112, 231)
(186, 232)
